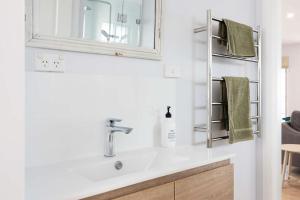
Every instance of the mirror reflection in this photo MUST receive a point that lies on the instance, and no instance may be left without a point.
(126, 22)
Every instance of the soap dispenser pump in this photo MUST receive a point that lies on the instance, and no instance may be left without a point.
(168, 132)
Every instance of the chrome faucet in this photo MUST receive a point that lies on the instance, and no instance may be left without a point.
(109, 140)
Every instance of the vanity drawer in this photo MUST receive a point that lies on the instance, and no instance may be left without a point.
(162, 192)
(216, 184)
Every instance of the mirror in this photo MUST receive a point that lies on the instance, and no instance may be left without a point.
(115, 27)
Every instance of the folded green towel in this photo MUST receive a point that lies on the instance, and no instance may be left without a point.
(237, 109)
(238, 38)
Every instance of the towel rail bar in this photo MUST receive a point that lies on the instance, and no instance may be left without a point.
(221, 79)
(220, 138)
(216, 121)
(227, 137)
(203, 128)
(222, 103)
(234, 58)
(200, 129)
(221, 121)
(218, 104)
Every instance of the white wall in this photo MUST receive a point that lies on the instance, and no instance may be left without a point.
(65, 112)
(293, 79)
(12, 96)
(268, 159)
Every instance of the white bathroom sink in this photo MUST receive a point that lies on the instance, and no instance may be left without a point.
(103, 169)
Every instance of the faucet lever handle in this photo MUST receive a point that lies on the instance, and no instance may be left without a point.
(112, 121)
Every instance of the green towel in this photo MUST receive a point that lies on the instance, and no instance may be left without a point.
(238, 38)
(237, 109)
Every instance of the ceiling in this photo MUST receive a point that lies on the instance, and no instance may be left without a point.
(291, 21)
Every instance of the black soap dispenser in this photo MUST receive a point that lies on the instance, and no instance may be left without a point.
(168, 132)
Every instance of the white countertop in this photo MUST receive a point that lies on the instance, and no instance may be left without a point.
(72, 180)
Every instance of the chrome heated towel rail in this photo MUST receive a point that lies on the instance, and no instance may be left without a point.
(210, 54)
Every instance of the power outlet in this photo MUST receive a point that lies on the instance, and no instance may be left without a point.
(42, 63)
(58, 64)
(49, 63)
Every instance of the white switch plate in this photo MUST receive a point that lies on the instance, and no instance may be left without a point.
(172, 71)
(49, 63)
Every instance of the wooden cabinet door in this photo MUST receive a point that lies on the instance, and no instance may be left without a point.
(162, 192)
(216, 184)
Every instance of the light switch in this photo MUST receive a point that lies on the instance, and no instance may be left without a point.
(172, 71)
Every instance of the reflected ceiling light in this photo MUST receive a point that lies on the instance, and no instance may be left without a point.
(290, 15)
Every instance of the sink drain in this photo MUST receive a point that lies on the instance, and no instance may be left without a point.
(118, 165)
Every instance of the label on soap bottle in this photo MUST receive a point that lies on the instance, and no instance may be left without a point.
(172, 135)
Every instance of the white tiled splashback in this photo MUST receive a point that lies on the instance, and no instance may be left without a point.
(66, 113)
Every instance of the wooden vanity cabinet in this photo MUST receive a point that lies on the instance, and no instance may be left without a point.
(210, 182)
(215, 184)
